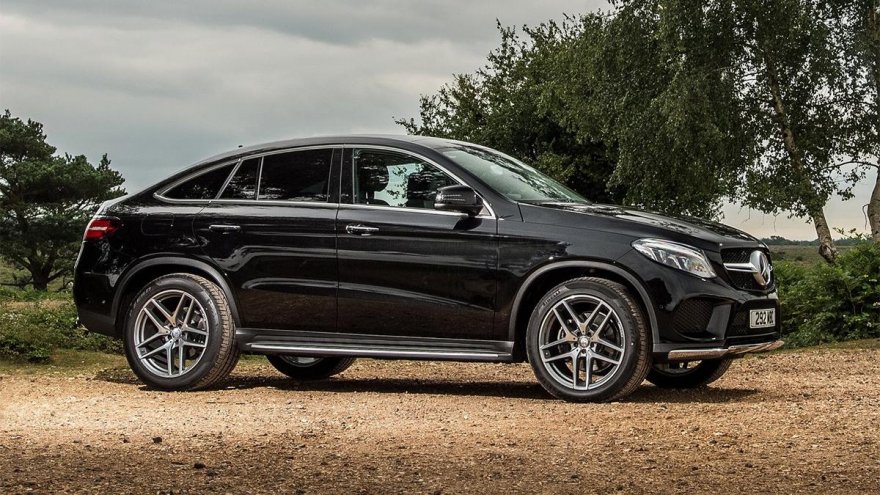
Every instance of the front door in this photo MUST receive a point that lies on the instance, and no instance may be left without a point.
(273, 233)
(406, 269)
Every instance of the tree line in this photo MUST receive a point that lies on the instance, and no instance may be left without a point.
(681, 105)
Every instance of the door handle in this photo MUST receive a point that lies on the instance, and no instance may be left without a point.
(223, 228)
(361, 229)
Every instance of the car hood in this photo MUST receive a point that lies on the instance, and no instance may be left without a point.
(712, 232)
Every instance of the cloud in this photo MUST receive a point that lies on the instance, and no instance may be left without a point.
(159, 85)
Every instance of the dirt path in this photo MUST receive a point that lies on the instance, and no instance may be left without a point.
(790, 422)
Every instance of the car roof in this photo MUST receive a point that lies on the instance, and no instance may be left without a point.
(372, 139)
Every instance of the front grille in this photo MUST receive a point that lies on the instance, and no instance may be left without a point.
(743, 280)
(738, 255)
(692, 316)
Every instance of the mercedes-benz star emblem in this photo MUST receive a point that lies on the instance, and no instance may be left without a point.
(763, 271)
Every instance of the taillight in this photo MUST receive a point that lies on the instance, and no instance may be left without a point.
(101, 227)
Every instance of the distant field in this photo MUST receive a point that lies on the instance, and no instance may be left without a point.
(807, 255)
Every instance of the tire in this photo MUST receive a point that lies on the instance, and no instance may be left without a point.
(606, 312)
(202, 332)
(701, 374)
(310, 368)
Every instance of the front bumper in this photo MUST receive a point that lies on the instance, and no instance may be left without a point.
(722, 352)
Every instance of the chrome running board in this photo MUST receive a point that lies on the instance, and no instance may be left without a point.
(319, 344)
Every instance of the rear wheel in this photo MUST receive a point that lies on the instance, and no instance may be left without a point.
(587, 341)
(179, 334)
(691, 374)
(310, 368)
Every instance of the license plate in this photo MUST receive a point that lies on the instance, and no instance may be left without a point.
(762, 318)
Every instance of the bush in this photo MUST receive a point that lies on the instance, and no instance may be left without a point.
(824, 303)
(32, 326)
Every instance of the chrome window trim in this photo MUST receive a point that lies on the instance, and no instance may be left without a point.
(358, 206)
(273, 202)
(426, 160)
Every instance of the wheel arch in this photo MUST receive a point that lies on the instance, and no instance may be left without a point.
(541, 280)
(137, 277)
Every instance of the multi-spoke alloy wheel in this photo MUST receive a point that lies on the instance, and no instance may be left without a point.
(582, 342)
(171, 333)
(179, 333)
(587, 341)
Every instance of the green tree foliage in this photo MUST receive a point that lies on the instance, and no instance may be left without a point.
(45, 201)
(512, 104)
(792, 73)
(857, 25)
(655, 79)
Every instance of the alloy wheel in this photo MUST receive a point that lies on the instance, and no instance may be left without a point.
(582, 342)
(171, 333)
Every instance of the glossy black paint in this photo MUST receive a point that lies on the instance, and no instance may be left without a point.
(331, 271)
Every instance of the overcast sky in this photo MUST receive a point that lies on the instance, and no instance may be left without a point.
(161, 84)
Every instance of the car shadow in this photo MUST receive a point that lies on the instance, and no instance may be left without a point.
(645, 394)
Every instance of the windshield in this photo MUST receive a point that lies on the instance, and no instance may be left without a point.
(511, 178)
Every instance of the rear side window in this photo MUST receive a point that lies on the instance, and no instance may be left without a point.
(296, 176)
(243, 185)
(202, 186)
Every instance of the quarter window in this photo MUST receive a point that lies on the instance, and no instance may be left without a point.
(203, 186)
(296, 176)
(243, 185)
(395, 179)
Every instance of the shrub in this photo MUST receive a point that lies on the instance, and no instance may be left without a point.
(30, 328)
(830, 303)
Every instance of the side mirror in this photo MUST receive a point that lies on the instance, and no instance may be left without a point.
(458, 198)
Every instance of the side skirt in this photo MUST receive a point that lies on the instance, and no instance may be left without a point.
(303, 343)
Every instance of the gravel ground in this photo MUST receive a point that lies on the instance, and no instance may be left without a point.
(788, 422)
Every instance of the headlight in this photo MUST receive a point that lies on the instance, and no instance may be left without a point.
(681, 256)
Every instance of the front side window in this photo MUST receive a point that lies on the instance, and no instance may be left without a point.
(511, 178)
(203, 186)
(387, 178)
(296, 176)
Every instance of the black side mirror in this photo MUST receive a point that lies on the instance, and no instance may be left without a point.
(458, 198)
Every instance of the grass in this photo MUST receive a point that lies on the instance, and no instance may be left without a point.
(803, 255)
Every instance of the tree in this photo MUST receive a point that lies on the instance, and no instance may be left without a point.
(858, 27)
(45, 201)
(654, 80)
(512, 104)
(793, 80)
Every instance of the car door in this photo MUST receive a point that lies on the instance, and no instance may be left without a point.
(406, 269)
(272, 230)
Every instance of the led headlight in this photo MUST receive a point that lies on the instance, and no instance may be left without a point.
(681, 256)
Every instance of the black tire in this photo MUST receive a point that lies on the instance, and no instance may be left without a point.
(674, 375)
(219, 355)
(306, 369)
(633, 339)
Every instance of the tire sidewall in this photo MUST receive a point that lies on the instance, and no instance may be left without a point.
(215, 334)
(634, 342)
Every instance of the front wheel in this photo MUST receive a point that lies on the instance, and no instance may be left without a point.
(310, 368)
(688, 374)
(587, 341)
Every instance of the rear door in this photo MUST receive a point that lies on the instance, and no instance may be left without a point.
(273, 231)
(406, 269)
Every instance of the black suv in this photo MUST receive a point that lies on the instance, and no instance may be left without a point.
(317, 251)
